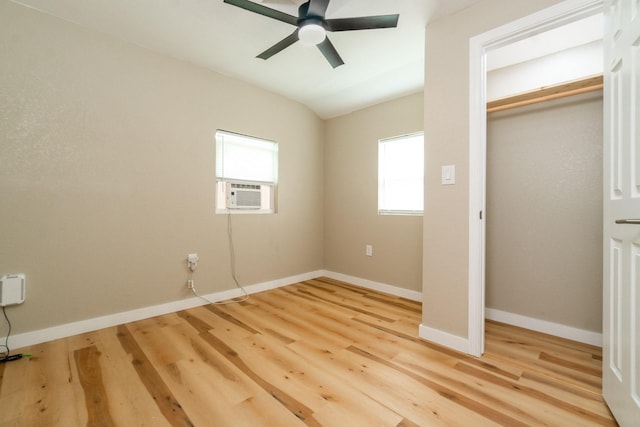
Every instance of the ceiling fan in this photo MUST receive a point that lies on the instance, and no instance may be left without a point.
(311, 26)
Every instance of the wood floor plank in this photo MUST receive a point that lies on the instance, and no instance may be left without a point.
(162, 395)
(51, 387)
(321, 352)
(301, 411)
(578, 353)
(260, 319)
(321, 389)
(202, 381)
(575, 414)
(530, 359)
(400, 393)
(448, 393)
(90, 375)
(260, 411)
(13, 392)
(118, 374)
(589, 401)
(377, 303)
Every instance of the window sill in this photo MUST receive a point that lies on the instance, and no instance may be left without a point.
(402, 213)
(244, 211)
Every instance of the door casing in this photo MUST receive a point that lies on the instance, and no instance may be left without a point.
(555, 16)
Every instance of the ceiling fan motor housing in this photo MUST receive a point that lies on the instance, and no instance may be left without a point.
(311, 29)
(303, 12)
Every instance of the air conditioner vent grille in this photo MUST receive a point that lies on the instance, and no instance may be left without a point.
(245, 196)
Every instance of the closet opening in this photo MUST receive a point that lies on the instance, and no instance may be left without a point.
(543, 235)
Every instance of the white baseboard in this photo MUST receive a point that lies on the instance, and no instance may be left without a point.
(556, 329)
(69, 329)
(74, 328)
(434, 335)
(444, 338)
(376, 286)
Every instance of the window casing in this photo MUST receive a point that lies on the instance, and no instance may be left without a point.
(401, 175)
(246, 173)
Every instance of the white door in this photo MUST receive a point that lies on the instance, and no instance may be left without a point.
(621, 323)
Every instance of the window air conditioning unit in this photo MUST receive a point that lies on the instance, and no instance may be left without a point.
(243, 196)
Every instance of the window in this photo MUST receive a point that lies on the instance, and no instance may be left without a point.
(246, 173)
(401, 175)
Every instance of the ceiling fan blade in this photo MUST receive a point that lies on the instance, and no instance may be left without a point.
(330, 52)
(280, 46)
(263, 10)
(362, 23)
(318, 8)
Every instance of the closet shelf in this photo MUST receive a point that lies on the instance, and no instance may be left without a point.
(546, 94)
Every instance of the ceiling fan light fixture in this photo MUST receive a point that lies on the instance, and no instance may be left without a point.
(312, 34)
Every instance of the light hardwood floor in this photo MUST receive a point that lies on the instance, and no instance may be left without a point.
(321, 352)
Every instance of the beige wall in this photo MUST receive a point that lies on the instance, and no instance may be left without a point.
(544, 211)
(446, 124)
(351, 197)
(107, 174)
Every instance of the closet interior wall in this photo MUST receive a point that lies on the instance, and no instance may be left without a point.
(544, 208)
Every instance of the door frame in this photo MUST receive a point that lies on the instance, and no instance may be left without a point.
(555, 16)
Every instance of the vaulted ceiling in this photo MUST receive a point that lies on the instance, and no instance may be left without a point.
(380, 64)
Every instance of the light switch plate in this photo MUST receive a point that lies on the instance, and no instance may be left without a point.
(448, 174)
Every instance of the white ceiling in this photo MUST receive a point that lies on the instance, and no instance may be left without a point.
(379, 65)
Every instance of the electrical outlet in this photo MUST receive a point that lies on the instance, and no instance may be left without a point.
(192, 261)
(368, 250)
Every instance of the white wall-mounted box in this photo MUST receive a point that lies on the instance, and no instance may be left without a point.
(12, 289)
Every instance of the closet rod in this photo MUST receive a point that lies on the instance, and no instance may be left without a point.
(547, 94)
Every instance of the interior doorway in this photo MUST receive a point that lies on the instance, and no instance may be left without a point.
(554, 17)
(544, 182)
